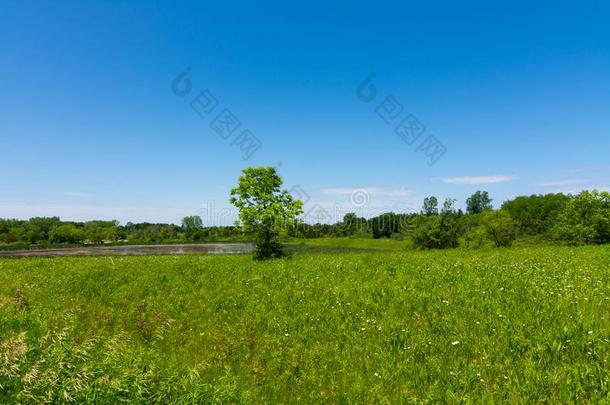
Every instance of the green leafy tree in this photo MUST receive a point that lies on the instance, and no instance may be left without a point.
(585, 219)
(536, 214)
(478, 202)
(38, 228)
(352, 225)
(384, 225)
(475, 237)
(430, 206)
(66, 233)
(191, 226)
(499, 227)
(435, 231)
(448, 206)
(100, 231)
(264, 209)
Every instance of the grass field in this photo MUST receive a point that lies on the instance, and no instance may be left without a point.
(521, 324)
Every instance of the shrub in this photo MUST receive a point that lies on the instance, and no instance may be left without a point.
(585, 219)
(435, 231)
(500, 228)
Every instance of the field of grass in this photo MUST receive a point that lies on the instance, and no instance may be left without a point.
(347, 244)
(521, 324)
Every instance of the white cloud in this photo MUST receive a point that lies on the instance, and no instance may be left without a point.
(561, 183)
(478, 179)
(366, 201)
(588, 168)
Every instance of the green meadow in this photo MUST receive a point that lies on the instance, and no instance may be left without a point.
(359, 323)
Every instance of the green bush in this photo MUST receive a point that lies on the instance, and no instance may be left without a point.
(435, 231)
(585, 219)
(499, 228)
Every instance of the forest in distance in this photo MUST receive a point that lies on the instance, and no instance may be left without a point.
(550, 218)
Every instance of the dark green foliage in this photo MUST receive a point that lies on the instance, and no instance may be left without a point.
(66, 233)
(353, 225)
(430, 206)
(536, 214)
(101, 231)
(265, 209)
(500, 228)
(384, 225)
(267, 247)
(448, 205)
(435, 231)
(191, 225)
(585, 219)
(57, 232)
(478, 202)
(581, 219)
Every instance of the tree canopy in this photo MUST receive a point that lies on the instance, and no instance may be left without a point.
(264, 208)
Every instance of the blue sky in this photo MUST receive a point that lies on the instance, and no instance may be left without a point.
(517, 93)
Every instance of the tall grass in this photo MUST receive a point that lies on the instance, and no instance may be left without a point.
(522, 324)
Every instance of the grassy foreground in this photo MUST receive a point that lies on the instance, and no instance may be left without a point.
(523, 324)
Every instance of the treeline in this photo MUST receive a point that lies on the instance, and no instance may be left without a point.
(52, 231)
(575, 219)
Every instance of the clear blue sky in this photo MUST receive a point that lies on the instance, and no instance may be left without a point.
(518, 93)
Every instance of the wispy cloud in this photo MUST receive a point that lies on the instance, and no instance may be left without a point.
(588, 168)
(562, 183)
(366, 201)
(478, 179)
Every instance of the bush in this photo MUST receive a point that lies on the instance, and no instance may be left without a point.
(536, 214)
(585, 219)
(267, 247)
(435, 231)
(475, 237)
(67, 233)
(500, 228)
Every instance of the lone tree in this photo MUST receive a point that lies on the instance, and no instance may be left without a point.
(478, 202)
(264, 209)
(191, 225)
(430, 206)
